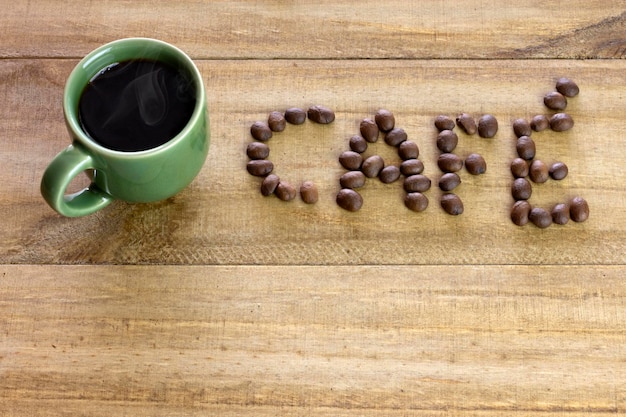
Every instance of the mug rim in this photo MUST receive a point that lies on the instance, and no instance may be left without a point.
(71, 113)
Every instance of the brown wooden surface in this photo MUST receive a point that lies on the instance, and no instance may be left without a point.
(220, 301)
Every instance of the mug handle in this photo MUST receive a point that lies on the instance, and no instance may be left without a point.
(58, 176)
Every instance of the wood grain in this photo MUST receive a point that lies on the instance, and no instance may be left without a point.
(322, 29)
(430, 340)
(220, 301)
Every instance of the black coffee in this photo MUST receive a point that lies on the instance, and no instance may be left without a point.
(137, 105)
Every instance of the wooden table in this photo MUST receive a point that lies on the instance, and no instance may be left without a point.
(220, 301)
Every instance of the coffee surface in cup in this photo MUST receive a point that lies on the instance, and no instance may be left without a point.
(137, 105)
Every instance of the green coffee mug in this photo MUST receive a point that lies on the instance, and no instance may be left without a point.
(135, 176)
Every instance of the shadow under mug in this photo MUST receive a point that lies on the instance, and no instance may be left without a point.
(139, 176)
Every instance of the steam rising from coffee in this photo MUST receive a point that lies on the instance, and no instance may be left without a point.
(137, 105)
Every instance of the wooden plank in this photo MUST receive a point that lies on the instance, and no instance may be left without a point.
(373, 341)
(322, 29)
(223, 219)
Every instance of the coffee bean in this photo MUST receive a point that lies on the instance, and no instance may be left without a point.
(555, 101)
(257, 150)
(519, 212)
(467, 123)
(567, 87)
(358, 144)
(521, 189)
(561, 122)
(578, 209)
(295, 116)
(408, 150)
(452, 204)
(260, 167)
(447, 140)
(560, 214)
(558, 170)
(538, 172)
(416, 201)
(539, 123)
(352, 179)
(308, 192)
(417, 183)
(526, 148)
(269, 184)
(321, 114)
(395, 136)
(540, 217)
(449, 162)
(276, 121)
(369, 130)
(285, 191)
(475, 164)
(261, 131)
(449, 181)
(443, 122)
(389, 174)
(385, 120)
(521, 128)
(349, 199)
(372, 166)
(350, 160)
(519, 168)
(411, 167)
(487, 126)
